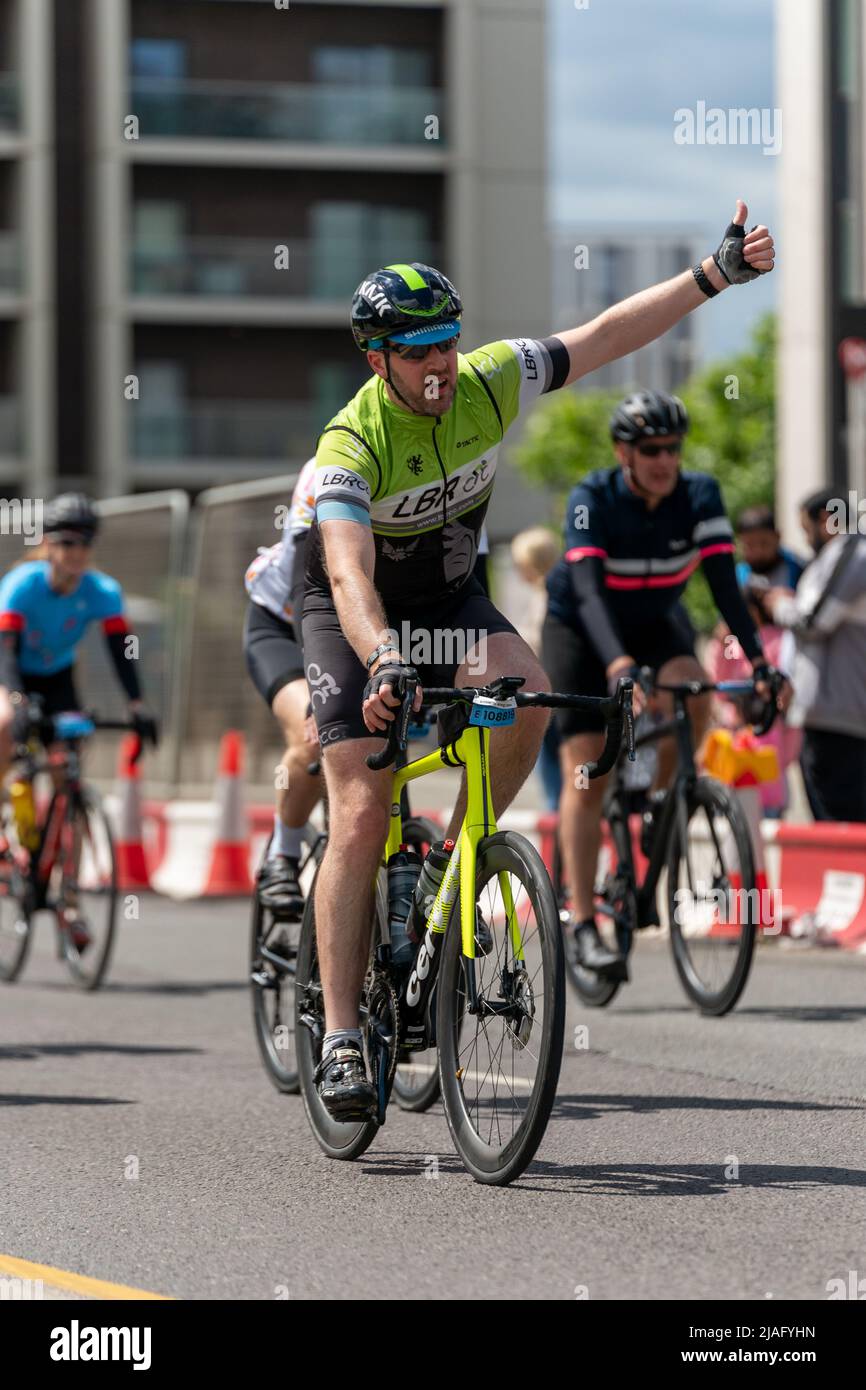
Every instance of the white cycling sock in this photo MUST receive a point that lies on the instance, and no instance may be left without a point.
(338, 1036)
(286, 840)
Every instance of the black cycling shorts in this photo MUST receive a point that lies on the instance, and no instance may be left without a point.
(272, 654)
(436, 640)
(57, 691)
(575, 668)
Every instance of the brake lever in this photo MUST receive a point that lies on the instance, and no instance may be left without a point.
(628, 715)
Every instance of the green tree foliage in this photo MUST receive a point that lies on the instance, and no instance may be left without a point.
(731, 407)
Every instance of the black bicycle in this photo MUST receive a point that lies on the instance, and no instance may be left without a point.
(698, 832)
(274, 940)
(61, 858)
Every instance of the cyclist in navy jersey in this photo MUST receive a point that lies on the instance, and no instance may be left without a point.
(633, 537)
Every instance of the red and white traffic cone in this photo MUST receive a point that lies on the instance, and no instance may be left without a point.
(749, 798)
(131, 863)
(229, 870)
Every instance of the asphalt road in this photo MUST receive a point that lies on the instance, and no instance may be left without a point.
(687, 1158)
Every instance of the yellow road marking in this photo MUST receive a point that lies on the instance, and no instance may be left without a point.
(74, 1283)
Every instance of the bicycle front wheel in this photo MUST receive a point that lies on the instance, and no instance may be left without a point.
(16, 923)
(84, 882)
(712, 899)
(499, 1066)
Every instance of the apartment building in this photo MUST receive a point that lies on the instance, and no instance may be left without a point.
(27, 347)
(247, 163)
(594, 266)
(821, 62)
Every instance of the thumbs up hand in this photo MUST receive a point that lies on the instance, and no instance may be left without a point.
(744, 256)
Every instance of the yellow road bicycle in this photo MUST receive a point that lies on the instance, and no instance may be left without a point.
(495, 1016)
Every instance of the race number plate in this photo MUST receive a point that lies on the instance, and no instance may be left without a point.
(494, 713)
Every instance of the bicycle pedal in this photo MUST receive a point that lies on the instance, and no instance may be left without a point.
(263, 979)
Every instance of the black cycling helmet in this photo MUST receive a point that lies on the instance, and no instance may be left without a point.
(648, 413)
(406, 303)
(71, 511)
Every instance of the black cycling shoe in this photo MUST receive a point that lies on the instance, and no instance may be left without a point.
(341, 1080)
(278, 888)
(594, 955)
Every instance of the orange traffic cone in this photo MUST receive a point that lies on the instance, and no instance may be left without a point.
(131, 863)
(229, 871)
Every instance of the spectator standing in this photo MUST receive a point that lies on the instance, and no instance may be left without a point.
(763, 554)
(827, 616)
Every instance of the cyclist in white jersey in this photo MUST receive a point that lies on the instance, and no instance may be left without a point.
(274, 582)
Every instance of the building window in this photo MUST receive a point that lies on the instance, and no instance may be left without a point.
(372, 65)
(158, 58)
(349, 240)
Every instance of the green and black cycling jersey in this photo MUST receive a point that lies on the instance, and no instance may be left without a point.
(423, 483)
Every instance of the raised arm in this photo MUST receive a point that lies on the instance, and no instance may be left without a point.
(634, 322)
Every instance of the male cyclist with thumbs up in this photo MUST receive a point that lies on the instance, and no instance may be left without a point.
(403, 480)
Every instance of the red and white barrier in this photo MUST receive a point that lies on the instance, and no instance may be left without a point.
(812, 877)
(823, 881)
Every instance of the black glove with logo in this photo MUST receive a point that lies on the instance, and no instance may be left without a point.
(730, 259)
(393, 673)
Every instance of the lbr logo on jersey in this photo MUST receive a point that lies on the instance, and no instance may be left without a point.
(460, 484)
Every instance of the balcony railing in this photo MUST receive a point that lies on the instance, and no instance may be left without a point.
(233, 266)
(229, 430)
(9, 117)
(10, 266)
(346, 115)
(10, 441)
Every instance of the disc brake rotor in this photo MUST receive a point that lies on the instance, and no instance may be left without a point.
(523, 1001)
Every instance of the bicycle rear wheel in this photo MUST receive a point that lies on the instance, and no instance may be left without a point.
(499, 1067)
(338, 1139)
(84, 878)
(416, 1082)
(712, 900)
(273, 969)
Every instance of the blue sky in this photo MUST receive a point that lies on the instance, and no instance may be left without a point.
(618, 71)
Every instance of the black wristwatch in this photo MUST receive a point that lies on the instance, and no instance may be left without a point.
(703, 282)
(380, 651)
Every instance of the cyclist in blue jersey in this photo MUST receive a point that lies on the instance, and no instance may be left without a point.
(634, 535)
(45, 609)
(403, 480)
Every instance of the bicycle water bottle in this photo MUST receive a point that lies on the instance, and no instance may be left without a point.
(432, 874)
(404, 869)
(24, 811)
